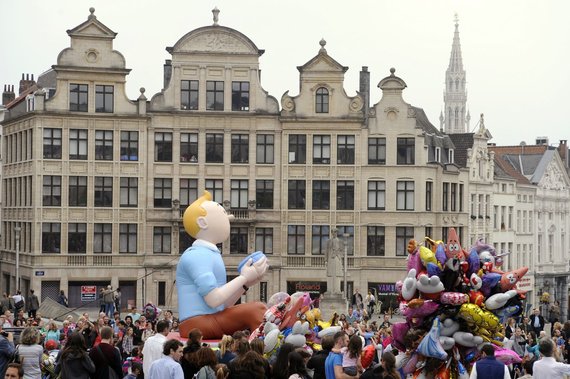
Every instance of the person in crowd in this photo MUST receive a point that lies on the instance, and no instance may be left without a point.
(556, 326)
(351, 356)
(31, 353)
(189, 360)
(532, 345)
(52, 332)
(62, 299)
(153, 346)
(18, 323)
(519, 342)
(386, 323)
(33, 304)
(357, 302)
(127, 343)
(222, 371)
(510, 327)
(117, 300)
(74, 361)
(247, 366)
(175, 325)
(317, 361)
(136, 371)
(20, 301)
(5, 303)
(525, 325)
(296, 368)
(224, 353)
(106, 357)
(333, 363)
(14, 371)
(388, 363)
(281, 364)
(537, 321)
(370, 301)
(258, 346)
(554, 312)
(49, 357)
(135, 315)
(109, 300)
(547, 367)
(6, 349)
(206, 361)
(526, 371)
(488, 366)
(168, 367)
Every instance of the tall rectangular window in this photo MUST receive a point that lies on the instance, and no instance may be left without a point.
(162, 192)
(103, 238)
(445, 197)
(52, 143)
(240, 96)
(345, 195)
(78, 94)
(376, 150)
(375, 241)
(51, 238)
(51, 191)
(376, 195)
(405, 195)
(296, 194)
(322, 100)
(104, 145)
(162, 147)
(319, 239)
(214, 95)
(403, 235)
(321, 149)
(297, 148)
(188, 147)
(429, 195)
(240, 148)
(347, 234)
(129, 146)
(76, 238)
(453, 197)
(238, 240)
(265, 149)
(104, 98)
(406, 151)
(214, 148)
(321, 194)
(216, 188)
(189, 94)
(239, 190)
(188, 192)
(296, 239)
(78, 144)
(129, 192)
(184, 240)
(264, 240)
(103, 191)
(128, 238)
(345, 149)
(264, 194)
(77, 191)
(162, 240)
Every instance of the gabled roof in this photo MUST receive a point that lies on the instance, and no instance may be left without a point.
(433, 137)
(462, 142)
(22, 96)
(323, 57)
(521, 162)
(92, 28)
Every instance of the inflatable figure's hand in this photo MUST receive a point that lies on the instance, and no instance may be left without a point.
(253, 272)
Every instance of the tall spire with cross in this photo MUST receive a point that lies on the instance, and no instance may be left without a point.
(455, 117)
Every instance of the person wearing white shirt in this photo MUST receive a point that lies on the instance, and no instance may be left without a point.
(168, 367)
(153, 346)
(547, 367)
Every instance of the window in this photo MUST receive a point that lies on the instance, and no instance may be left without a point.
(188, 192)
(322, 149)
(129, 192)
(453, 197)
(52, 143)
(376, 150)
(321, 194)
(189, 94)
(104, 99)
(297, 148)
(240, 148)
(264, 194)
(322, 100)
(376, 195)
(428, 231)
(296, 198)
(128, 238)
(214, 148)
(265, 148)
(129, 146)
(403, 235)
(461, 200)
(216, 188)
(348, 240)
(51, 238)
(184, 240)
(78, 97)
(375, 241)
(296, 239)
(104, 145)
(264, 240)
(238, 240)
(103, 191)
(162, 147)
(77, 191)
(429, 196)
(240, 96)
(161, 241)
(214, 95)
(405, 196)
(189, 147)
(76, 238)
(51, 191)
(405, 151)
(445, 197)
(345, 195)
(162, 193)
(103, 238)
(239, 196)
(345, 150)
(78, 144)
(320, 237)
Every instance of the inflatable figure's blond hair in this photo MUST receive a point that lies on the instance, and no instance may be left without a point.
(194, 211)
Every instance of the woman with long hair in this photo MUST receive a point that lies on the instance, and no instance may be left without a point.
(224, 353)
(388, 362)
(73, 361)
(281, 365)
(258, 346)
(30, 353)
(222, 371)
(206, 361)
(247, 366)
(297, 368)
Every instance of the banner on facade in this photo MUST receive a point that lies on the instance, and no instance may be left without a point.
(88, 293)
(526, 283)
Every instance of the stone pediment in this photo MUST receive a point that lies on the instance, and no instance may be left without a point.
(92, 28)
(215, 39)
(554, 178)
(322, 63)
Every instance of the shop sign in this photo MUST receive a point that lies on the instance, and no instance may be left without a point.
(88, 293)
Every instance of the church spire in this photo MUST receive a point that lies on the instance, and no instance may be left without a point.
(455, 94)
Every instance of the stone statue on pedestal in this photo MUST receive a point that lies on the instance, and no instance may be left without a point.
(334, 255)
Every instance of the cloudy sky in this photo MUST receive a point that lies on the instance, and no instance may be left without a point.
(516, 52)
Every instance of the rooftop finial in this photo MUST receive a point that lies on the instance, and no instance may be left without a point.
(456, 19)
(323, 43)
(92, 15)
(392, 71)
(216, 12)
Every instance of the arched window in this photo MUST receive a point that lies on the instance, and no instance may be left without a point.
(456, 117)
(322, 100)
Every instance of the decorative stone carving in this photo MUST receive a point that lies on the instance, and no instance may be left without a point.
(216, 41)
(287, 102)
(553, 178)
(356, 104)
(92, 55)
(411, 112)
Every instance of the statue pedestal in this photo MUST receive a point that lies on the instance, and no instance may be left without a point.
(331, 303)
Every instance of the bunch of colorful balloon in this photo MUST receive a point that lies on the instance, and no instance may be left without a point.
(454, 301)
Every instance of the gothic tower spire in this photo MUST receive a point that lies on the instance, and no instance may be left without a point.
(455, 94)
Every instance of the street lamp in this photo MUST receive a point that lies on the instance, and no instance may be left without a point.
(17, 230)
(345, 236)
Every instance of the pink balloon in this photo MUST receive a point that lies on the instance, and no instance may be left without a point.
(507, 356)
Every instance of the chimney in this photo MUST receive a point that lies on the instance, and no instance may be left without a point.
(8, 95)
(365, 90)
(167, 72)
(563, 151)
(26, 83)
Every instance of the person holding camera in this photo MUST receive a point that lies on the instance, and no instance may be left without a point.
(7, 350)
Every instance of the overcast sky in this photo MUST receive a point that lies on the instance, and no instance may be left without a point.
(516, 53)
